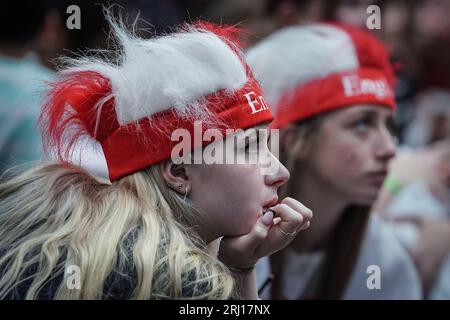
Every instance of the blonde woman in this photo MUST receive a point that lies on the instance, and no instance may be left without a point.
(331, 87)
(116, 209)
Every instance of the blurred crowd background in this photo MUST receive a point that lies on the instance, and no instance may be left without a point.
(417, 33)
(33, 33)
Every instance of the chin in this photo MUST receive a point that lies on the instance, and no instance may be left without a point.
(364, 199)
(239, 233)
(368, 200)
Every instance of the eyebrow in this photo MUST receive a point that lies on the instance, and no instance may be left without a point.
(366, 113)
(371, 114)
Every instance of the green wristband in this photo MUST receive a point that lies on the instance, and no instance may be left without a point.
(392, 185)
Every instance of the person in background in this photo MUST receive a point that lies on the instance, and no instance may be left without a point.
(331, 87)
(21, 78)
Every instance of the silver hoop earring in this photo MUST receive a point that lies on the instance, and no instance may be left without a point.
(171, 187)
(186, 193)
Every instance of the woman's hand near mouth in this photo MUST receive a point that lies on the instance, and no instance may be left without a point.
(269, 234)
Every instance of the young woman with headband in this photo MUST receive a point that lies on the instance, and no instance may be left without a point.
(115, 209)
(331, 90)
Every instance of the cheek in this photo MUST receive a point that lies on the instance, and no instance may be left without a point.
(230, 198)
(243, 190)
(342, 160)
(352, 159)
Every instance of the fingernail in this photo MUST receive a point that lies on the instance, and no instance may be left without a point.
(267, 218)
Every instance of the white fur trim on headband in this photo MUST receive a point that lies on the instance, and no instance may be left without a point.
(296, 55)
(172, 71)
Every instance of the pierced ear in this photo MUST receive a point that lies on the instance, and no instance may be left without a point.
(175, 176)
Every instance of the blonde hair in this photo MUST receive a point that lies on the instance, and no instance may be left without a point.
(133, 237)
(135, 234)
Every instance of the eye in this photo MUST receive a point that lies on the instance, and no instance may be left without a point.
(247, 144)
(363, 124)
(392, 126)
(254, 142)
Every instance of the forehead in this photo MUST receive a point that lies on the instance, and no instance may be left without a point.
(258, 129)
(356, 110)
(259, 126)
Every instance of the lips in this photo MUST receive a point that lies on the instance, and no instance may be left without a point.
(270, 203)
(378, 176)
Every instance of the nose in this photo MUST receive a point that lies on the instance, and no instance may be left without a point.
(279, 177)
(385, 145)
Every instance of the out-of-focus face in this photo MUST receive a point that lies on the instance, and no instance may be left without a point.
(231, 197)
(353, 12)
(351, 151)
(431, 20)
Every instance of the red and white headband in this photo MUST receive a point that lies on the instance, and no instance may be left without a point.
(335, 91)
(308, 70)
(114, 119)
(126, 151)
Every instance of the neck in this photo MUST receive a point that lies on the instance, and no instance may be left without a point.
(327, 206)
